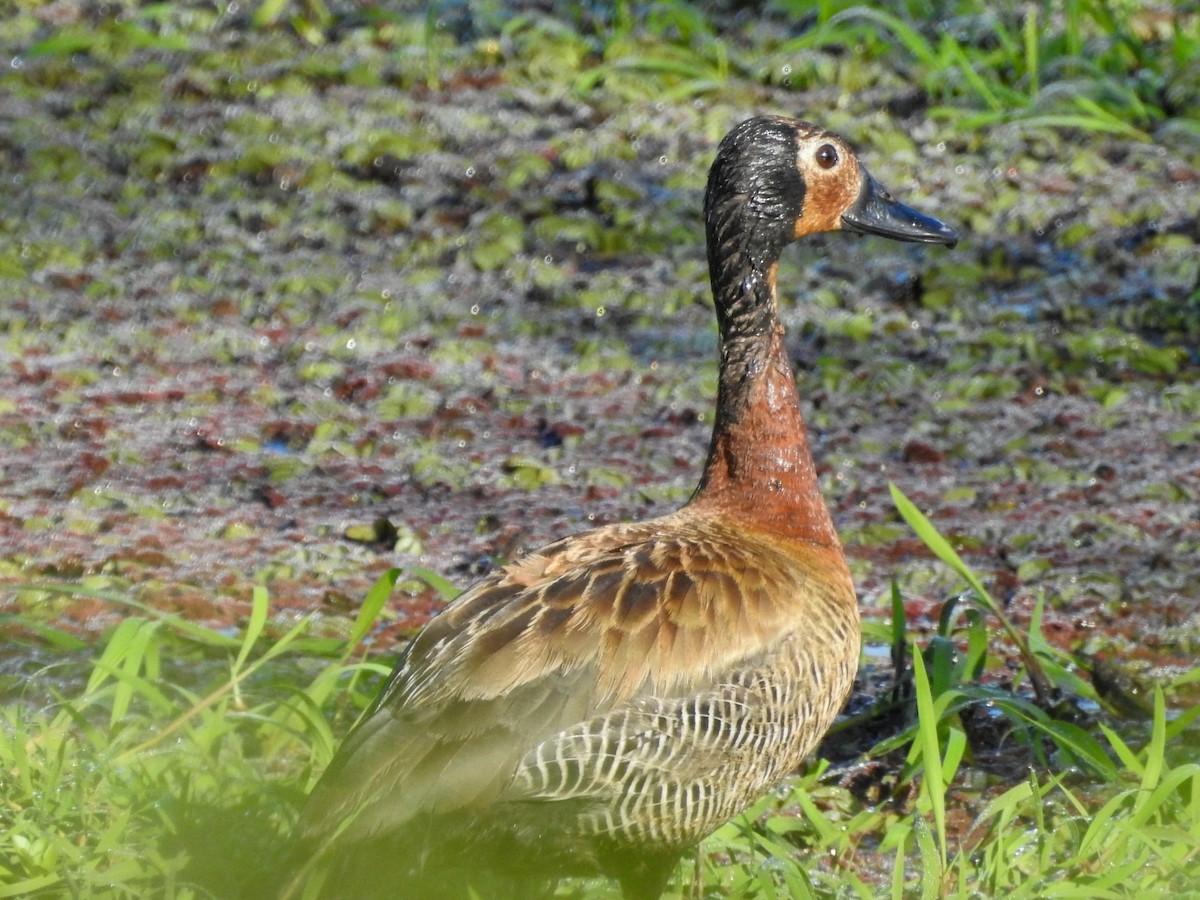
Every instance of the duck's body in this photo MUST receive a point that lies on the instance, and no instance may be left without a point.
(603, 704)
(604, 696)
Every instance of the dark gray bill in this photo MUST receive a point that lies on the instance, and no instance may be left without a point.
(875, 212)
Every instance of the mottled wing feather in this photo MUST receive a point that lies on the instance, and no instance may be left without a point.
(421, 746)
(550, 646)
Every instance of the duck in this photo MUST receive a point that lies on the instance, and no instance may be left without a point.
(599, 706)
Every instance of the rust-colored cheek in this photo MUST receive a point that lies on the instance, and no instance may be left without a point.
(829, 195)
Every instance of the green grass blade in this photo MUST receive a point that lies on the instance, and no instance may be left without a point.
(29, 887)
(198, 633)
(933, 786)
(932, 539)
(899, 635)
(980, 85)
(1072, 739)
(1007, 803)
(1155, 753)
(269, 12)
(947, 554)
(956, 746)
(1029, 33)
(445, 588)
(901, 831)
(933, 863)
(54, 637)
(254, 628)
(1074, 29)
(1125, 753)
(1092, 123)
(1178, 726)
(372, 604)
(912, 40)
(207, 702)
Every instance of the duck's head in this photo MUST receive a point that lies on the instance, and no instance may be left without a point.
(777, 179)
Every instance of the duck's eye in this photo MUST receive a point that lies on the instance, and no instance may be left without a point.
(827, 156)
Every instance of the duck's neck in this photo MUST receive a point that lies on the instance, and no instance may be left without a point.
(759, 465)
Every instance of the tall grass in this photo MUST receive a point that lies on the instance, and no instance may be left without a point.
(1099, 66)
(1120, 68)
